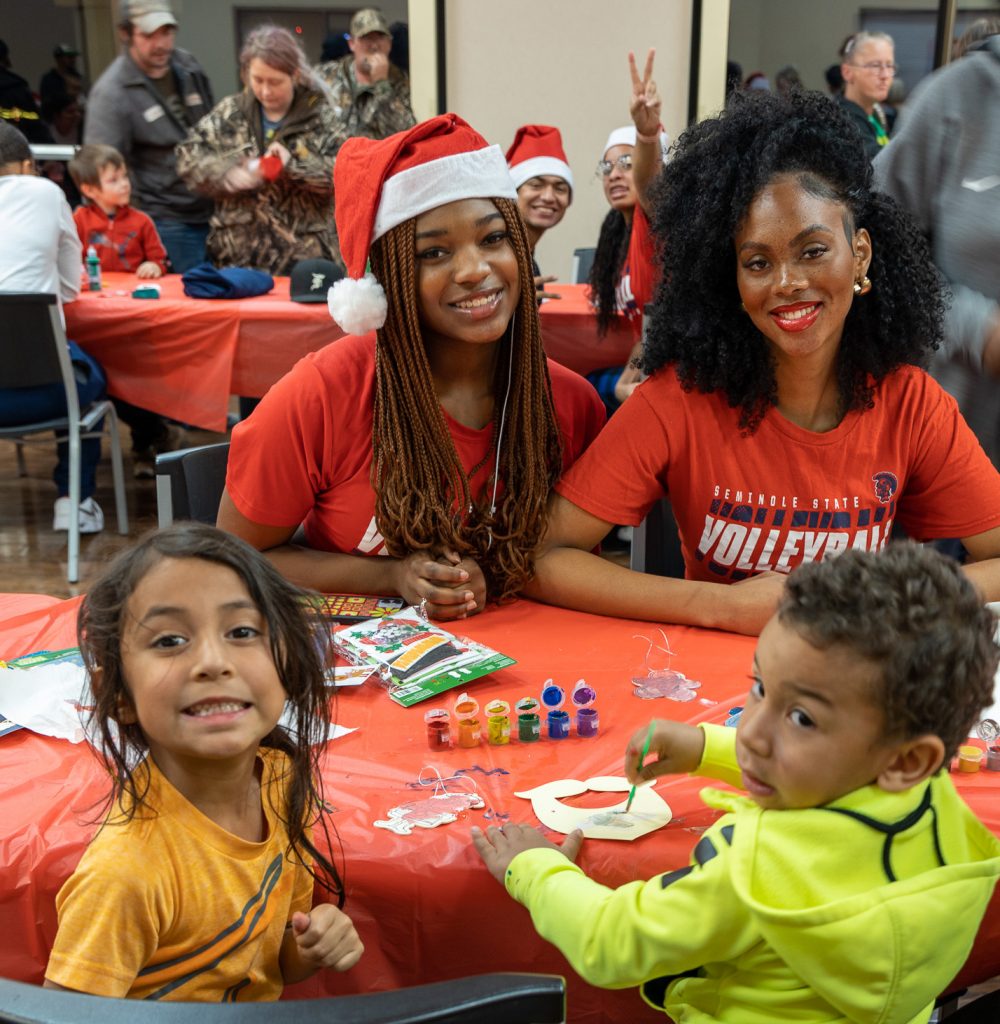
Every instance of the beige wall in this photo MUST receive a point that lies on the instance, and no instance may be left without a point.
(564, 62)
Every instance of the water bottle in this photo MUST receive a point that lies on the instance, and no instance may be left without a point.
(93, 270)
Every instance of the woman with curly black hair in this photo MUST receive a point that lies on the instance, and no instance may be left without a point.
(786, 416)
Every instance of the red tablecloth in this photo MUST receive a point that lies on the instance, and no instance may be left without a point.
(184, 357)
(426, 908)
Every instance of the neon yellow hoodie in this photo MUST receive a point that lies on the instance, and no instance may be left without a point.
(861, 910)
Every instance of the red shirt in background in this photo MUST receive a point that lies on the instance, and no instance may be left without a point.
(638, 278)
(122, 241)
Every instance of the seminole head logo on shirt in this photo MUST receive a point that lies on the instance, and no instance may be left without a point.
(886, 486)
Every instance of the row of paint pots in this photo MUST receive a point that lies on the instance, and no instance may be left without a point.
(468, 730)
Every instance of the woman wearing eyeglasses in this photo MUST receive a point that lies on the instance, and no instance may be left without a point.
(868, 68)
(622, 276)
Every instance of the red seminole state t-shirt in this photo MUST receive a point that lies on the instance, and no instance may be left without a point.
(785, 495)
(305, 454)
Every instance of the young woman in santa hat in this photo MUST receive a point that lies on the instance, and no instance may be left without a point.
(433, 435)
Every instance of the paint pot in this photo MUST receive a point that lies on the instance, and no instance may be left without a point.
(438, 723)
(587, 720)
(557, 721)
(497, 723)
(969, 758)
(734, 717)
(993, 759)
(467, 713)
(529, 724)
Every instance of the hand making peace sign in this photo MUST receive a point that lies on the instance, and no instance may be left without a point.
(645, 103)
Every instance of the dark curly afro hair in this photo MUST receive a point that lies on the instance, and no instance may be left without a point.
(717, 168)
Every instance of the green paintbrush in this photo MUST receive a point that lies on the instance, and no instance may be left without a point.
(642, 761)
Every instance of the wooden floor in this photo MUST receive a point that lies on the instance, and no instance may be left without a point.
(32, 556)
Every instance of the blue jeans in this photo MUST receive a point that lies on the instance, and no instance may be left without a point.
(48, 401)
(185, 243)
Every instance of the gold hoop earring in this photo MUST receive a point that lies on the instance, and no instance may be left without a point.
(863, 287)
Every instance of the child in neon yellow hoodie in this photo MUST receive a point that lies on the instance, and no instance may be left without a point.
(848, 885)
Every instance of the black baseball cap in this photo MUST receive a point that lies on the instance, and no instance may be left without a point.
(312, 279)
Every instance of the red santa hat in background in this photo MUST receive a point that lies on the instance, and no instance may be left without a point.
(537, 149)
(380, 183)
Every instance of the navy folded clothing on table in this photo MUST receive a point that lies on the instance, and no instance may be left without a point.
(206, 281)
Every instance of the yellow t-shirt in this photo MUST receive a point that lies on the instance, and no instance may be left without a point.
(171, 906)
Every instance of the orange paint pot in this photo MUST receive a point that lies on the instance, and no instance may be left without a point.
(969, 758)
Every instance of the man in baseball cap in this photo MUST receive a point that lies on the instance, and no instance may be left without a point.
(371, 96)
(144, 103)
(65, 78)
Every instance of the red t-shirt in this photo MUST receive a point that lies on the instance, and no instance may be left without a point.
(786, 495)
(123, 241)
(305, 454)
(635, 286)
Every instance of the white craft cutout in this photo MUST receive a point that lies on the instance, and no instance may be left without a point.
(649, 810)
(429, 812)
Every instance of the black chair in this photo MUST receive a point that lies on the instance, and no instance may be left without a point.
(481, 999)
(190, 482)
(656, 544)
(583, 260)
(33, 352)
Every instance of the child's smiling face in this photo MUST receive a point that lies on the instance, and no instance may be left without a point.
(811, 730)
(196, 659)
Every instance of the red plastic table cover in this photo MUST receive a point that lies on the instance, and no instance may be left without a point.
(184, 357)
(426, 908)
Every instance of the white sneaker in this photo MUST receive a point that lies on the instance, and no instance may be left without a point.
(91, 516)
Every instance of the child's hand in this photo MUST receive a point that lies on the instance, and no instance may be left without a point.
(678, 748)
(499, 846)
(326, 937)
(149, 269)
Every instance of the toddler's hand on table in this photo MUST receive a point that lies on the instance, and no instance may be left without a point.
(677, 747)
(326, 937)
(499, 846)
(149, 269)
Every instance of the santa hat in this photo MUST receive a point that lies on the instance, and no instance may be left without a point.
(537, 149)
(380, 183)
(626, 136)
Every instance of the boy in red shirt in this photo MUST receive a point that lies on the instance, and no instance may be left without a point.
(125, 239)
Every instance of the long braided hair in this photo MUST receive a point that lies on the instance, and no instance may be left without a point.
(423, 500)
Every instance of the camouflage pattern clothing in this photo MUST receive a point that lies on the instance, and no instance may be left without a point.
(283, 221)
(374, 111)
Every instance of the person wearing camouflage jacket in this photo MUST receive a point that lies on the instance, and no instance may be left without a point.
(374, 110)
(275, 222)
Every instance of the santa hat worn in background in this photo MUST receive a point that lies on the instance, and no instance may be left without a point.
(537, 149)
(380, 183)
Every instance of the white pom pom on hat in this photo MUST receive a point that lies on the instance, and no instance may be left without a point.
(380, 183)
(357, 306)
